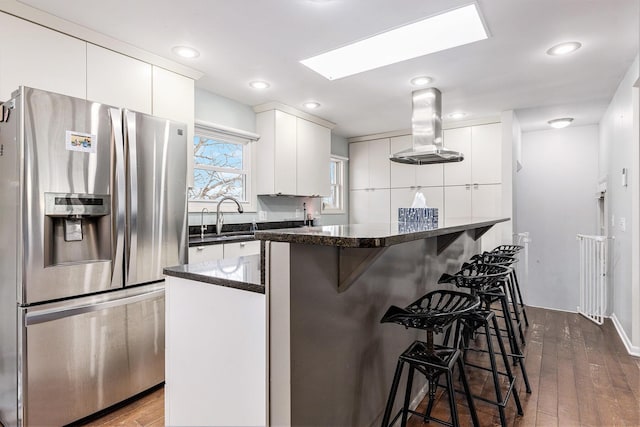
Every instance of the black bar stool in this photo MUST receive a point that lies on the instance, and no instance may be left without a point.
(484, 280)
(435, 312)
(500, 258)
(513, 250)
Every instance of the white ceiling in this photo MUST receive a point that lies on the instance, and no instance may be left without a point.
(244, 40)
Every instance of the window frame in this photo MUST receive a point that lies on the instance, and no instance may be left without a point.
(341, 184)
(228, 135)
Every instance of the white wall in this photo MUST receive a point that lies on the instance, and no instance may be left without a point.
(217, 109)
(556, 199)
(617, 139)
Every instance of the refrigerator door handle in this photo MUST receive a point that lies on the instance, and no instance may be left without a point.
(43, 316)
(120, 198)
(132, 214)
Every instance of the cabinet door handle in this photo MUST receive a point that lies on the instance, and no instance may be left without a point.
(200, 248)
(475, 186)
(242, 245)
(467, 186)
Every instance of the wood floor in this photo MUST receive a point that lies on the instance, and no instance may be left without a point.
(580, 374)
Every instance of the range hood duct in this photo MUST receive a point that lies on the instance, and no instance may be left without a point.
(426, 129)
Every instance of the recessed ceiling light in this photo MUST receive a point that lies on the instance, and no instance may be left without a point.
(311, 105)
(560, 123)
(259, 84)
(450, 29)
(421, 81)
(457, 115)
(564, 48)
(186, 52)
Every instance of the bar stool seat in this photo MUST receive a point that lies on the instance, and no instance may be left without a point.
(435, 312)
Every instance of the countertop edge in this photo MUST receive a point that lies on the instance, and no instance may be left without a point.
(369, 242)
(207, 278)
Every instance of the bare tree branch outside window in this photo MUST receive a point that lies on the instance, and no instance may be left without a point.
(218, 170)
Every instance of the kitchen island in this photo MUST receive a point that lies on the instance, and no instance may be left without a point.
(328, 360)
(215, 356)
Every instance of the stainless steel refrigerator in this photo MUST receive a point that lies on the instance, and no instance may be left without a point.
(92, 207)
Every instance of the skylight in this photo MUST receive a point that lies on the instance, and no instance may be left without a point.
(450, 29)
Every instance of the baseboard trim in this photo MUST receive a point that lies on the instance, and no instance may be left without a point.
(631, 349)
(418, 398)
(549, 308)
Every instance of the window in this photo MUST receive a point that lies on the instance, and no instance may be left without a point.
(334, 204)
(222, 165)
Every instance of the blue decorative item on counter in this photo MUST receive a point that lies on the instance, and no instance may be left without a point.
(427, 216)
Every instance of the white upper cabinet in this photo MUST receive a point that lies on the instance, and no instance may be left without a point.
(38, 57)
(359, 165)
(293, 155)
(486, 154)
(458, 173)
(314, 146)
(369, 164)
(403, 175)
(482, 149)
(379, 163)
(118, 80)
(174, 98)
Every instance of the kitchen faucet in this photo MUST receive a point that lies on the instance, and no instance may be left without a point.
(203, 227)
(219, 215)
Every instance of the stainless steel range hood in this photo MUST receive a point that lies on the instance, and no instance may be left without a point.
(426, 127)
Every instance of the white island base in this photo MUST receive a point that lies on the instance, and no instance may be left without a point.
(215, 355)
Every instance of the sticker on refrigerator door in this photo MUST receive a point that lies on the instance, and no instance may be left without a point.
(78, 141)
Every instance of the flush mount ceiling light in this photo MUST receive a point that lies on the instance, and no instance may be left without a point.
(450, 29)
(564, 48)
(311, 105)
(259, 84)
(456, 115)
(421, 81)
(560, 123)
(186, 52)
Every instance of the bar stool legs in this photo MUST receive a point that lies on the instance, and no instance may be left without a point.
(482, 319)
(419, 358)
(516, 351)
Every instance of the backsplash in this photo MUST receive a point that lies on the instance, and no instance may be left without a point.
(269, 209)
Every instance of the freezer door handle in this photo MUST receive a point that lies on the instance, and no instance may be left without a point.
(120, 197)
(132, 214)
(34, 318)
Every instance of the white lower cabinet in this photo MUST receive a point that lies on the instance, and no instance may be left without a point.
(369, 206)
(227, 250)
(215, 357)
(234, 250)
(403, 198)
(205, 253)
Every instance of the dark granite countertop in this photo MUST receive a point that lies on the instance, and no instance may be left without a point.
(372, 235)
(239, 273)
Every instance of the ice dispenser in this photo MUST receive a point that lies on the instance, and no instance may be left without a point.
(77, 228)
